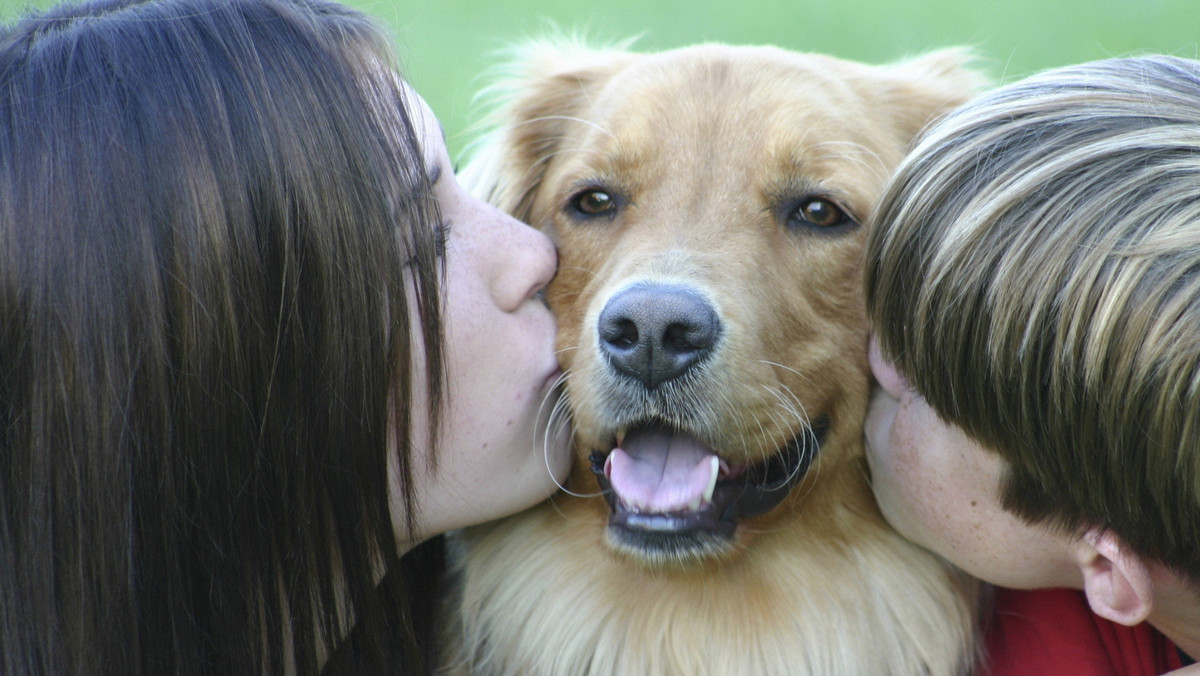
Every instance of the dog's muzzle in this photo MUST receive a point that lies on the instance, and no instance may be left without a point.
(671, 496)
(654, 333)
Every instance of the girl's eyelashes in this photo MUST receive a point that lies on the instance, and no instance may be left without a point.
(441, 235)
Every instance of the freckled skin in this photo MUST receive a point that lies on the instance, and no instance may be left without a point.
(500, 362)
(941, 489)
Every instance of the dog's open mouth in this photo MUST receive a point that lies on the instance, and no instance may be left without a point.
(667, 488)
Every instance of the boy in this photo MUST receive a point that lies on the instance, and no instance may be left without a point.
(1033, 277)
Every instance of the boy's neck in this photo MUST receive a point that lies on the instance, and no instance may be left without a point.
(1177, 613)
(1188, 644)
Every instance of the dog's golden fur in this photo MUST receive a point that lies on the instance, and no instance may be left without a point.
(707, 161)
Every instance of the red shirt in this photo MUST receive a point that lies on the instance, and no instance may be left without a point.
(1053, 632)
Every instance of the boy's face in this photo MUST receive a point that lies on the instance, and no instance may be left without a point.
(941, 489)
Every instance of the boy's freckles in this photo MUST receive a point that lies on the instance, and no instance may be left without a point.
(941, 489)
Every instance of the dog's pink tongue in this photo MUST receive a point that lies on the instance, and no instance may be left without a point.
(659, 471)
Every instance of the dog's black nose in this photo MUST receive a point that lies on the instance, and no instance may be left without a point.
(654, 333)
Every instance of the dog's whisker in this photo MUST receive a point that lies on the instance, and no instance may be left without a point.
(786, 368)
(781, 421)
(564, 118)
(557, 418)
(560, 420)
(790, 404)
(763, 436)
(879, 166)
(812, 443)
(554, 398)
(728, 407)
(794, 407)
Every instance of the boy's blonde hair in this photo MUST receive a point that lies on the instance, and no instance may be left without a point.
(1034, 270)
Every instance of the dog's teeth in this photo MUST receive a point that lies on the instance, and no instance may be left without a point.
(712, 479)
(620, 437)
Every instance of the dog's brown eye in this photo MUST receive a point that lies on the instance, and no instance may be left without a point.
(594, 202)
(820, 212)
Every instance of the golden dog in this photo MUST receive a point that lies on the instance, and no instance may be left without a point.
(706, 203)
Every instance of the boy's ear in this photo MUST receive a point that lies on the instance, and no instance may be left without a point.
(1116, 581)
(890, 379)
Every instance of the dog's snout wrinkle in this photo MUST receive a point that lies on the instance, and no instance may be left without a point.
(655, 333)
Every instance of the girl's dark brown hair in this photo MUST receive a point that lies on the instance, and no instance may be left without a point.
(213, 217)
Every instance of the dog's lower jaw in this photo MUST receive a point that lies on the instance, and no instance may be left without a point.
(542, 595)
(668, 550)
(708, 529)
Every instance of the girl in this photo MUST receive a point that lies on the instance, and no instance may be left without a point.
(255, 344)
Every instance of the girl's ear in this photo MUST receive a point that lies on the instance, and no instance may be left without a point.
(1116, 581)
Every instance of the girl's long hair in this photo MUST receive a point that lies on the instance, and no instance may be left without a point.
(217, 262)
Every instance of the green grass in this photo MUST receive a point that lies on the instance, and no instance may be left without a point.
(446, 44)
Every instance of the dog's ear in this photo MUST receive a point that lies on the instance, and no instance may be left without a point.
(922, 89)
(544, 88)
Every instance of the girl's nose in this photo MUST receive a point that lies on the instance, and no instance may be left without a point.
(524, 261)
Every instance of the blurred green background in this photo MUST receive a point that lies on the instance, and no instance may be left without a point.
(446, 44)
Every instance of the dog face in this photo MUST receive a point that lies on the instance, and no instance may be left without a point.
(708, 204)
